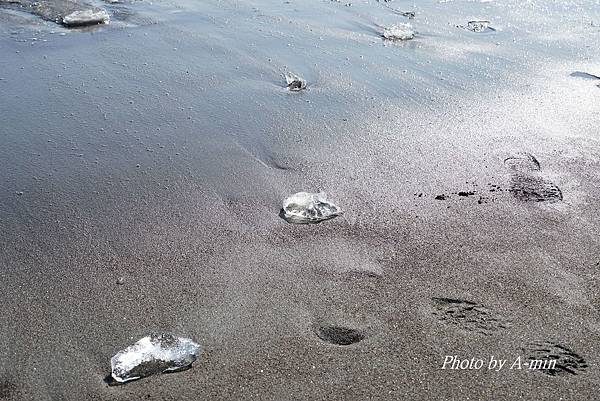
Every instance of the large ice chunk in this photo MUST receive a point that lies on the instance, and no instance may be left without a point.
(305, 208)
(86, 17)
(399, 32)
(153, 354)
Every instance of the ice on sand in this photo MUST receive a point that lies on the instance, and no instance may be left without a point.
(479, 26)
(295, 82)
(86, 17)
(399, 32)
(305, 208)
(585, 75)
(153, 354)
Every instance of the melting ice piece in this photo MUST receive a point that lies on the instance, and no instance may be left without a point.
(294, 82)
(585, 75)
(479, 26)
(86, 17)
(399, 32)
(305, 208)
(153, 354)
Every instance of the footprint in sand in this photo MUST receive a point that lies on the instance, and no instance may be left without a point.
(527, 184)
(468, 316)
(8, 389)
(339, 335)
(568, 362)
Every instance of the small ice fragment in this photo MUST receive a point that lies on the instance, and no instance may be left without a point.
(399, 32)
(153, 354)
(585, 75)
(479, 26)
(305, 208)
(86, 17)
(294, 82)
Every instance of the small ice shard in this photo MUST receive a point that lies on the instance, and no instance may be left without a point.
(306, 208)
(153, 354)
(399, 32)
(585, 75)
(479, 26)
(86, 17)
(294, 82)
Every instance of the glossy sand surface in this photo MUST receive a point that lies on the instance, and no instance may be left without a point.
(143, 164)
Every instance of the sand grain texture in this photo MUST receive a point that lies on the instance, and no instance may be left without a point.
(143, 165)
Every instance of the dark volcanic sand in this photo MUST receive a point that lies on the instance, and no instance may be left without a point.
(143, 165)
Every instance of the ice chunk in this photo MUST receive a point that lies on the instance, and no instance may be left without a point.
(399, 32)
(479, 26)
(86, 17)
(153, 354)
(294, 82)
(305, 208)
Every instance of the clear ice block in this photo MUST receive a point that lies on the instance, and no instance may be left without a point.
(399, 32)
(153, 354)
(305, 208)
(294, 82)
(86, 17)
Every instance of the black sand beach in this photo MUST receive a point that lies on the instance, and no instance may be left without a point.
(143, 165)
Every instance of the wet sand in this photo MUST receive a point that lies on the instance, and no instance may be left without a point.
(143, 166)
